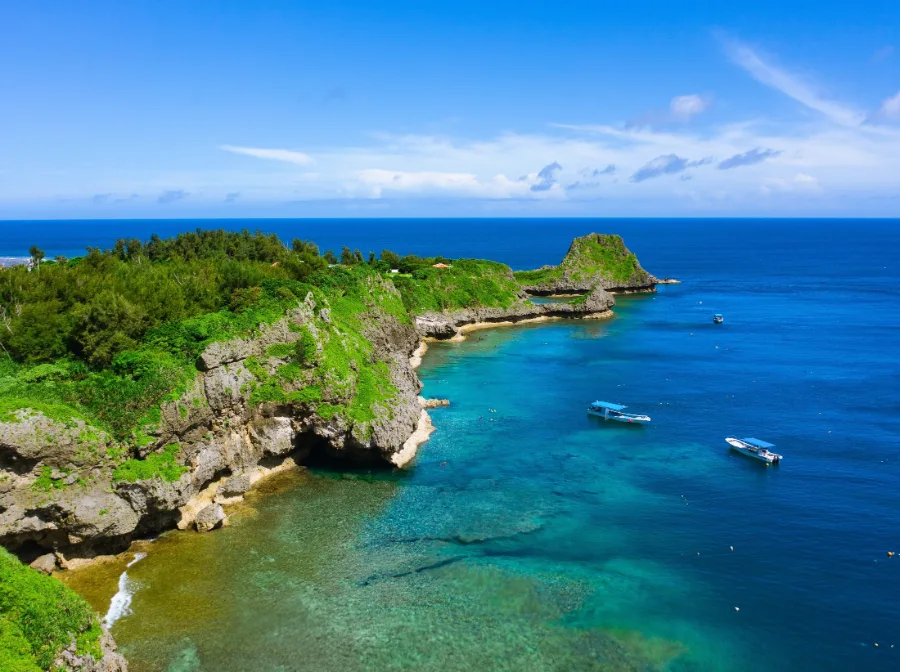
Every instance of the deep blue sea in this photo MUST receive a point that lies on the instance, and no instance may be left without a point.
(531, 536)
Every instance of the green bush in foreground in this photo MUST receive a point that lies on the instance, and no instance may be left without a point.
(39, 616)
(15, 652)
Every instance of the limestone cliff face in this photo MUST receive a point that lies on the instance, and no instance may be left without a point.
(251, 405)
(594, 260)
(446, 325)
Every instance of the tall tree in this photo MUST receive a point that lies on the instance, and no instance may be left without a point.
(37, 255)
(392, 258)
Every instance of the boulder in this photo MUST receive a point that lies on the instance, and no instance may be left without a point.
(46, 564)
(274, 436)
(234, 486)
(210, 517)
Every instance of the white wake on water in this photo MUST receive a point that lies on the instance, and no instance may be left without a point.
(121, 602)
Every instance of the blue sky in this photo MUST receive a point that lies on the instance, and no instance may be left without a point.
(174, 109)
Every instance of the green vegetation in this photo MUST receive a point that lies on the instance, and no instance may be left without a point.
(467, 283)
(591, 256)
(163, 465)
(332, 365)
(110, 337)
(39, 616)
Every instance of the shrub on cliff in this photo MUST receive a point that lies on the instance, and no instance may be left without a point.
(39, 617)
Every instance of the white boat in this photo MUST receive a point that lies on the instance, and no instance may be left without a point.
(608, 411)
(759, 450)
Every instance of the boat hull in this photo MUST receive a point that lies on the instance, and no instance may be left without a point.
(745, 449)
(624, 419)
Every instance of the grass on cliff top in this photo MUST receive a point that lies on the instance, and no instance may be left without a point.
(39, 616)
(468, 283)
(588, 257)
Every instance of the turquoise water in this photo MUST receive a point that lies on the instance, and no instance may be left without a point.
(531, 536)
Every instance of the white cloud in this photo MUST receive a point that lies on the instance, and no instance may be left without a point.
(429, 182)
(286, 155)
(802, 184)
(685, 107)
(890, 108)
(791, 85)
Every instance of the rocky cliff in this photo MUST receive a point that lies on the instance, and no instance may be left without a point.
(594, 260)
(332, 377)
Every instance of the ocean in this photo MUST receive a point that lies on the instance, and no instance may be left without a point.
(529, 536)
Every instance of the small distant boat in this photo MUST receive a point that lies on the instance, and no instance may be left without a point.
(718, 318)
(759, 450)
(608, 411)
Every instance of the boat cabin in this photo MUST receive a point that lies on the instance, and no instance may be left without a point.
(605, 405)
(759, 444)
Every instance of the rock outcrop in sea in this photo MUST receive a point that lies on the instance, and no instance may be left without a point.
(595, 260)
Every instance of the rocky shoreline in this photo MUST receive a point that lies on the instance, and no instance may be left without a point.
(453, 325)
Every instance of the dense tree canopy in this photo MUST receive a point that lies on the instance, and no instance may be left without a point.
(94, 307)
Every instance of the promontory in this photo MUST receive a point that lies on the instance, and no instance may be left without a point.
(144, 386)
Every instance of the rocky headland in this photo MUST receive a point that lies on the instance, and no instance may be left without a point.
(322, 369)
(248, 408)
(333, 376)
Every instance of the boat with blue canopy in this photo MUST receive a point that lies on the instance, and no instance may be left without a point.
(718, 318)
(756, 448)
(608, 411)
